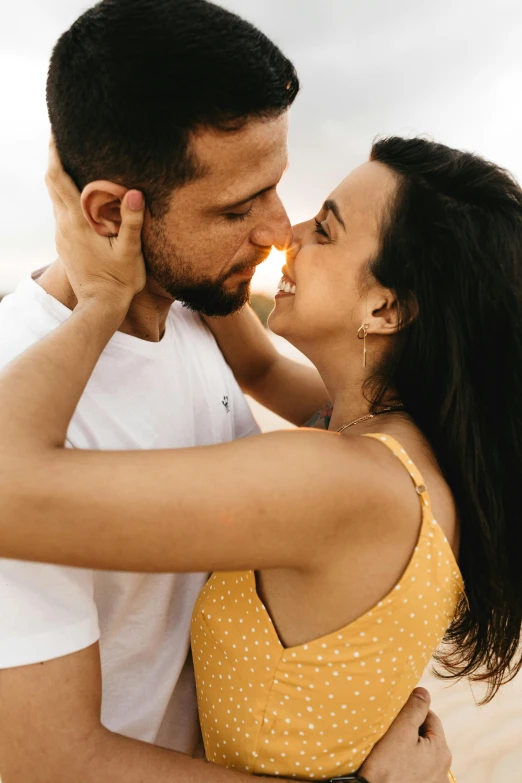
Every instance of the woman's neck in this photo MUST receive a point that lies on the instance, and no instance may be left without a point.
(348, 405)
(345, 379)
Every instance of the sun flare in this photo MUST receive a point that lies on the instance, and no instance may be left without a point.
(268, 274)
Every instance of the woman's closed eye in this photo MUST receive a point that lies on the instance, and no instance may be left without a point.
(320, 229)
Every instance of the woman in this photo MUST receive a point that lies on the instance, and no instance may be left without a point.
(335, 583)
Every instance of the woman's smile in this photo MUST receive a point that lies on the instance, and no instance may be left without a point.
(286, 287)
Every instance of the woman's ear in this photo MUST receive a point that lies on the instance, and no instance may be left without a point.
(385, 316)
(101, 201)
(383, 312)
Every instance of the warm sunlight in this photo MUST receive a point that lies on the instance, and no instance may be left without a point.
(268, 274)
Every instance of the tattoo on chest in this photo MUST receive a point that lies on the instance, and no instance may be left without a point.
(321, 420)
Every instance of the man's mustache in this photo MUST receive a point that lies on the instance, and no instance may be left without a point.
(247, 265)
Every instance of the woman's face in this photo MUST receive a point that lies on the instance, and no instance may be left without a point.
(325, 265)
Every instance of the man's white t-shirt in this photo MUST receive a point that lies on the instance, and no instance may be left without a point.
(175, 393)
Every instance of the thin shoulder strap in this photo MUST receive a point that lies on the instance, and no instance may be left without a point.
(395, 447)
(420, 487)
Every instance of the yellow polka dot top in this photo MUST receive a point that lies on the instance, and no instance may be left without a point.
(316, 710)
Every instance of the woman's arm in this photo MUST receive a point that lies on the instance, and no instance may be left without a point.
(290, 389)
(41, 389)
(270, 501)
(257, 503)
(263, 502)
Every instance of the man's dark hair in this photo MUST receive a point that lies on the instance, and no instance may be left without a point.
(131, 79)
(452, 253)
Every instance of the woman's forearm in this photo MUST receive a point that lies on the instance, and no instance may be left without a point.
(40, 389)
(290, 389)
(245, 344)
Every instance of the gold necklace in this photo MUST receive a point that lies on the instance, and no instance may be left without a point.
(344, 427)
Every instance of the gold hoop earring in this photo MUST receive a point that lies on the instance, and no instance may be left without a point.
(364, 329)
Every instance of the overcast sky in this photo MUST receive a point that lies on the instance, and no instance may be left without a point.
(451, 69)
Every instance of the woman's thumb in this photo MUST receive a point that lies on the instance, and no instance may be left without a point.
(132, 213)
(135, 200)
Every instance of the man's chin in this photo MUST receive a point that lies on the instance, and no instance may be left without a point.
(219, 303)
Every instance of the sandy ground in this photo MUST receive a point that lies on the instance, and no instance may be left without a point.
(486, 741)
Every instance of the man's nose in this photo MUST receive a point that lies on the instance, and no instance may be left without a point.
(276, 229)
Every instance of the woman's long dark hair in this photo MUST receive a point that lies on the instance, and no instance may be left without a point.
(452, 253)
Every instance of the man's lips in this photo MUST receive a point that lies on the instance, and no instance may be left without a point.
(245, 273)
(249, 271)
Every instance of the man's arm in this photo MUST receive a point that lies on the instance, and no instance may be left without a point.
(292, 390)
(414, 749)
(50, 732)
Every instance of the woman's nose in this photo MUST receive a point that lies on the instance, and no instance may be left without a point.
(284, 245)
(295, 245)
(298, 231)
(292, 252)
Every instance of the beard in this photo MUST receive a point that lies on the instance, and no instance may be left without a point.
(205, 295)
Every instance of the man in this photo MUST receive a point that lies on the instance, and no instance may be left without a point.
(188, 103)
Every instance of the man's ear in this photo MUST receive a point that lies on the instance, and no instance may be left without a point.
(101, 201)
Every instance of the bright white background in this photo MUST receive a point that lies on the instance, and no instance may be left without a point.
(451, 69)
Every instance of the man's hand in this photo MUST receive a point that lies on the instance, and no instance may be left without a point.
(413, 750)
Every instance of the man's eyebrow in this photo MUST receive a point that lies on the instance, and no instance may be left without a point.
(236, 204)
(332, 206)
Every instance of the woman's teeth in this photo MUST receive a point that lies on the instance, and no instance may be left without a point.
(286, 286)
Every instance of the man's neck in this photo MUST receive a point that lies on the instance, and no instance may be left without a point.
(147, 314)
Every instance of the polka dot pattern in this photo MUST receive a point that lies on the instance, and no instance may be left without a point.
(316, 710)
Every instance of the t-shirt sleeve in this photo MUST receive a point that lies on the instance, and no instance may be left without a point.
(46, 611)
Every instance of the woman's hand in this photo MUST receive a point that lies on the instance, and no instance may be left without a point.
(40, 389)
(97, 267)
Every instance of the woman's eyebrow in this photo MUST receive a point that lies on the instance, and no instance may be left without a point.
(332, 206)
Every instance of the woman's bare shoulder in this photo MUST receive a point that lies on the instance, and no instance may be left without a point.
(351, 471)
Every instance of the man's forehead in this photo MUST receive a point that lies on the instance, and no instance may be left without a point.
(236, 159)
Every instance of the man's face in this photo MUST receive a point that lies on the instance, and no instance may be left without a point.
(204, 251)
